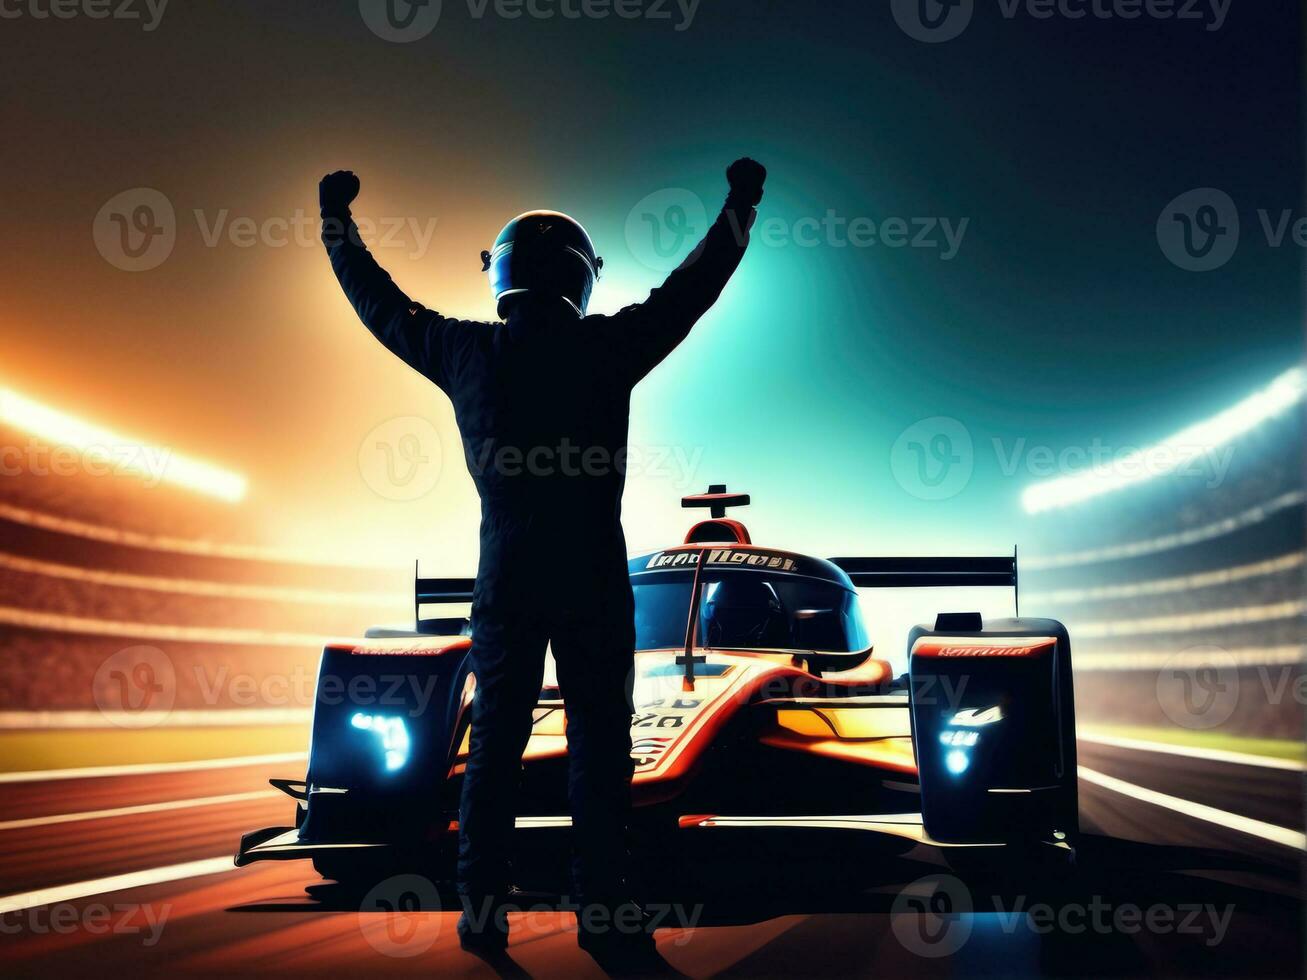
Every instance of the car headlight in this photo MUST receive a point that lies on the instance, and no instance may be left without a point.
(392, 733)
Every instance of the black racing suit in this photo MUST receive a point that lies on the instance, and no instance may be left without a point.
(542, 402)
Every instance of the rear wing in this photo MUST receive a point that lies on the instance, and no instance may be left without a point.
(914, 573)
(440, 591)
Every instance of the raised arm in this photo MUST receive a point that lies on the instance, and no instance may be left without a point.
(655, 327)
(410, 331)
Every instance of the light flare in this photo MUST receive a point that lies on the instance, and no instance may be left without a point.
(1195, 442)
(118, 453)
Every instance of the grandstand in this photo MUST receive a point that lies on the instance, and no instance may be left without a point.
(94, 564)
(1174, 588)
(1184, 593)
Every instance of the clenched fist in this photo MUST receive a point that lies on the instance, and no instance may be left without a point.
(337, 191)
(746, 178)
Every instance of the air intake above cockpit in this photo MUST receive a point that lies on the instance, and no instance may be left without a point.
(719, 530)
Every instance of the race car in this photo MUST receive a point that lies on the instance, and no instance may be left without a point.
(760, 709)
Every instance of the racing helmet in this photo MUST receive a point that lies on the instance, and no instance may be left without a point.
(743, 609)
(543, 252)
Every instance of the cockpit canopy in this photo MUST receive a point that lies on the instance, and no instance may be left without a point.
(751, 599)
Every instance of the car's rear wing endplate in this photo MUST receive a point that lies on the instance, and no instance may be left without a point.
(439, 591)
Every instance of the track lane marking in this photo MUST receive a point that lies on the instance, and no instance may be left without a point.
(128, 811)
(150, 768)
(1195, 752)
(1222, 818)
(115, 883)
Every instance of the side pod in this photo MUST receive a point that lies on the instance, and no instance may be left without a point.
(993, 718)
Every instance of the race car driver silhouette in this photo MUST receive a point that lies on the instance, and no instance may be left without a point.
(542, 401)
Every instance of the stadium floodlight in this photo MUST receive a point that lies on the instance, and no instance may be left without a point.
(1195, 442)
(107, 452)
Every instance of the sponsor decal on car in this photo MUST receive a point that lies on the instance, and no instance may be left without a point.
(983, 646)
(723, 556)
(647, 751)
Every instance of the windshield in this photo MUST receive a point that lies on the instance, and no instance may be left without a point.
(742, 609)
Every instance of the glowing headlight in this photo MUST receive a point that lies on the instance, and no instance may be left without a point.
(977, 717)
(959, 742)
(393, 734)
(951, 737)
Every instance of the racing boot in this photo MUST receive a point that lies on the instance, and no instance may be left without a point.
(483, 926)
(619, 936)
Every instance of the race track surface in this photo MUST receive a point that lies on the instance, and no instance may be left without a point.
(1161, 887)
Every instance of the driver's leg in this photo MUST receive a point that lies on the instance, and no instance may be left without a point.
(508, 654)
(596, 664)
